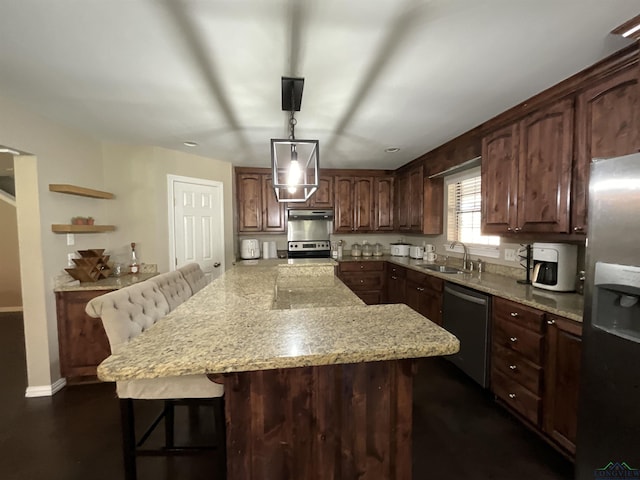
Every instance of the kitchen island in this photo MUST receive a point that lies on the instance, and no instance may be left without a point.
(317, 384)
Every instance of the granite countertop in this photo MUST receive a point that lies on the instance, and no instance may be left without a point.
(267, 314)
(568, 305)
(109, 283)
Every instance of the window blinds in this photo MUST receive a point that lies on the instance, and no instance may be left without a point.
(464, 212)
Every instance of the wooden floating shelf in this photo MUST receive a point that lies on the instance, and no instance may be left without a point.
(82, 228)
(80, 191)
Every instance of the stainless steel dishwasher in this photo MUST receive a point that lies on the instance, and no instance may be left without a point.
(466, 314)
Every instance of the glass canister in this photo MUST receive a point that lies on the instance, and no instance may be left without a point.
(377, 250)
(367, 249)
(356, 250)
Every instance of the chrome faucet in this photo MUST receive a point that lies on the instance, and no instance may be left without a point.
(465, 256)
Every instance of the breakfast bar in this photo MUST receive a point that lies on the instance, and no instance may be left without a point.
(317, 384)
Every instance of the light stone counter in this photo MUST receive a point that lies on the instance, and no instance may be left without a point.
(109, 283)
(569, 305)
(270, 314)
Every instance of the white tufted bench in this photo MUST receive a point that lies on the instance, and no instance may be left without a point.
(125, 314)
(174, 287)
(194, 276)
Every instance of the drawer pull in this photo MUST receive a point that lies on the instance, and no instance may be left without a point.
(512, 395)
(420, 289)
(394, 278)
(361, 281)
(514, 314)
(551, 322)
(513, 339)
(361, 266)
(513, 367)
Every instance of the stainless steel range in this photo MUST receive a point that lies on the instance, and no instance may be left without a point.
(308, 233)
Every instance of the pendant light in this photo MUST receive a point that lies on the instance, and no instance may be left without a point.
(294, 162)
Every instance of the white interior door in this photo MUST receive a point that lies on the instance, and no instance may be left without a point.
(198, 224)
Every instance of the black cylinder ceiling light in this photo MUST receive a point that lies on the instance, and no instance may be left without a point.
(294, 162)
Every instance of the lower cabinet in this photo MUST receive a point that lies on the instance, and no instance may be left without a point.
(561, 382)
(424, 295)
(82, 341)
(396, 284)
(365, 278)
(535, 369)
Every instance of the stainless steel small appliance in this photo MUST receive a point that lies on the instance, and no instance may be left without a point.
(308, 233)
(554, 266)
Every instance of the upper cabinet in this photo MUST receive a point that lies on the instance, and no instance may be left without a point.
(383, 188)
(258, 209)
(354, 205)
(409, 198)
(526, 173)
(607, 125)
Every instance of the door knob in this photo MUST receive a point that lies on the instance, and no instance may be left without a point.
(216, 265)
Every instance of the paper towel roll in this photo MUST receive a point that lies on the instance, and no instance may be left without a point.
(266, 250)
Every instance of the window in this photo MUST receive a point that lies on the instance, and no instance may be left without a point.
(464, 210)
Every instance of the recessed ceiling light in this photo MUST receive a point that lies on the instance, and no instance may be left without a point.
(190, 144)
(391, 149)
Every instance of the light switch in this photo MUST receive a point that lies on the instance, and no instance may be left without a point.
(71, 239)
(510, 254)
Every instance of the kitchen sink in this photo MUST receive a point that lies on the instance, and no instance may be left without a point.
(441, 268)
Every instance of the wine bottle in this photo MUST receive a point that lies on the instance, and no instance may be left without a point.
(134, 266)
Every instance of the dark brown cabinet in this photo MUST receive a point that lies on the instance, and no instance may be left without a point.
(366, 279)
(409, 199)
(354, 205)
(383, 188)
(323, 198)
(82, 341)
(562, 380)
(607, 125)
(423, 293)
(396, 284)
(258, 209)
(526, 173)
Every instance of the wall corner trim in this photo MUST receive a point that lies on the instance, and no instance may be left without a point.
(46, 390)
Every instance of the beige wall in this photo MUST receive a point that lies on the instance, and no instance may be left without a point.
(138, 177)
(10, 296)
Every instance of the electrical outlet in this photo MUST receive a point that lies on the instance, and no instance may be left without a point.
(510, 254)
(70, 257)
(71, 239)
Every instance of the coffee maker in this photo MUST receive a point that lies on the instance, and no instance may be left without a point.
(554, 266)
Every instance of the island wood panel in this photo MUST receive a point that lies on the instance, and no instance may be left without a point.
(319, 423)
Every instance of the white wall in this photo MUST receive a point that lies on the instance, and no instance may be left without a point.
(138, 178)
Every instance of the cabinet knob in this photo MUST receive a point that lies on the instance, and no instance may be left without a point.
(512, 395)
(394, 277)
(551, 322)
(361, 266)
(361, 281)
(513, 367)
(420, 289)
(509, 229)
(513, 339)
(517, 229)
(514, 314)
(578, 228)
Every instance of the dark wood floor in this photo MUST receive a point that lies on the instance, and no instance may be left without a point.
(459, 432)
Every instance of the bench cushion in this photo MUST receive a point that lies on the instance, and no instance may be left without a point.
(194, 276)
(174, 287)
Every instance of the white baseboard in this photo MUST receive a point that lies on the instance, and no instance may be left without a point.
(46, 390)
(10, 309)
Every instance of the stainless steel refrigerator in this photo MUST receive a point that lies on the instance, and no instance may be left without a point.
(608, 444)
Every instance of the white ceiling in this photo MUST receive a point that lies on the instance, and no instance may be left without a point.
(378, 73)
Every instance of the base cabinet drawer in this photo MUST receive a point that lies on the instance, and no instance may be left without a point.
(516, 396)
(514, 366)
(363, 281)
(519, 339)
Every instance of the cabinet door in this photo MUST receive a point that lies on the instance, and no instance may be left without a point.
(562, 381)
(249, 202)
(413, 294)
(402, 196)
(323, 198)
(82, 340)
(273, 219)
(396, 284)
(544, 169)
(499, 180)
(607, 125)
(416, 180)
(343, 221)
(383, 203)
(430, 305)
(433, 206)
(363, 204)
